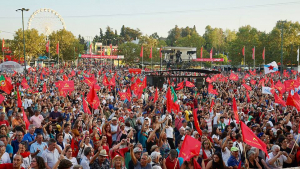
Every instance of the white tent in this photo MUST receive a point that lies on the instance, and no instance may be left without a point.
(10, 67)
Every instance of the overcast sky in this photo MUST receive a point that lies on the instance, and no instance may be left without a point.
(85, 17)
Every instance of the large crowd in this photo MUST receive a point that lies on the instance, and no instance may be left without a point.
(55, 129)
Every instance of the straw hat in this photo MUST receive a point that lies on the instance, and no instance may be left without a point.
(117, 157)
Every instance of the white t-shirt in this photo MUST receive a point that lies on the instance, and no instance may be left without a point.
(73, 161)
(278, 163)
(169, 132)
(67, 136)
(225, 155)
(5, 158)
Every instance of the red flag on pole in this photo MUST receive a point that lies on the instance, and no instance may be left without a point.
(263, 54)
(112, 81)
(24, 83)
(251, 139)
(105, 81)
(235, 111)
(211, 105)
(291, 101)
(253, 53)
(128, 94)
(211, 53)
(2, 98)
(234, 77)
(197, 126)
(141, 54)
(3, 43)
(189, 84)
(47, 46)
(155, 96)
(279, 100)
(247, 87)
(19, 98)
(160, 53)
(243, 51)
(201, 52)
(110, 49)
(86, 107)
(27, 123)
(150, 56)
(169, 100)
(190, 148)
(44, 88)
(57, 48)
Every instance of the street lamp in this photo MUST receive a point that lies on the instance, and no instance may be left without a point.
(23, 9)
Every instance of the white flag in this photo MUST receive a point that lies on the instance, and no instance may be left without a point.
(298, 54)
(266, 90)
(271, 67)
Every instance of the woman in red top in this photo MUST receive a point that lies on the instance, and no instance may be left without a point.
(107, 132)
(105, 146)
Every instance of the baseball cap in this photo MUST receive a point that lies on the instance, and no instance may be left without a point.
(234, 149)
(137, 150)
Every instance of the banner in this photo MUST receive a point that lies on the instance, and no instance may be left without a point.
(101, 57)
(208, 60)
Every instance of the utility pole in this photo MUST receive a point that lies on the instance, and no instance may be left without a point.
(281, 68)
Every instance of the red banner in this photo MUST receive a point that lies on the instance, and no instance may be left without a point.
(208, 60)
(100, 56)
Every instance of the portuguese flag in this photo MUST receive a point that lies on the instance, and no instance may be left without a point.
(5, 85)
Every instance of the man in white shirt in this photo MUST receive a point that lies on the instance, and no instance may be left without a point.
(85, 161)
(277, 157)
(226, 146)
(51, 154)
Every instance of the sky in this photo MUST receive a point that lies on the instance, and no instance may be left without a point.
(85, 17)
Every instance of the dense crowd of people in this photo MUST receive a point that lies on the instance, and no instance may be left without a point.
(53, 129)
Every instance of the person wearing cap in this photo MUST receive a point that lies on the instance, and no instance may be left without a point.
(99, 160)
(143, 163)
(234, 160)
(137, 153)
(114, 128)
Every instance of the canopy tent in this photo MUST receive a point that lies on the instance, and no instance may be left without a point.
(11, 66)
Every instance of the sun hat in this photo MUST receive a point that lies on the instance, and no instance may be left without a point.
(103, 153)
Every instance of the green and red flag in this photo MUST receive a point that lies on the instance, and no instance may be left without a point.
(5, 85)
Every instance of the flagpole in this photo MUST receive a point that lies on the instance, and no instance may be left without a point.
(264, 56)
(49, 53)
(294, 144)
(244, 57)
(298, 59)
(58, 55)
(254, 57)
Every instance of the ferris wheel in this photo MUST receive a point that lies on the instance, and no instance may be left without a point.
(46, 21)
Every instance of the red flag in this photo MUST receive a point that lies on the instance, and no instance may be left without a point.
(3, 43)
(135, 71)
(57, 49)
(243, 51)
(65, 77)
(251, 139)
(189, 84)
(66, 85)
(2, 98)
(253, 53)
(248, 97)
(196, 164)
(85, 107)
(240, 165)
(279, 100)
(253, 82)
(211, 53)
(47, 46)
(190, 148)
(27, 123)
(208, 80)
(197, 126)
(128, 94)
(263, 54)
(247, 87)
(110, 49)
(112, 81)
(24, 83)
(19, 102)
(92, 98)
(90, 48)
(142, 52)
(122, 95)
(73, 73)
(291, 101)
(235, 111)
(179, 87)
(180, 84)
(44, 88)
(201, 52)
(234, 77)
(155, 96)
(211, 105)
(144, 84)
(90, 81)
(212, 90)
(105, 81)
(5, 84)
(246, 76)
(14, 73)
(169, 100)
(150, 56)
(160, 53)
(291, 84)
(280, 87)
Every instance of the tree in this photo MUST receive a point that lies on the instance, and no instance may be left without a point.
(154, 35)
(174, 34)
(67, 42)
(130, 52)
(35, 44)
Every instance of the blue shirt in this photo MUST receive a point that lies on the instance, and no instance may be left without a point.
(29, 138)
(232, 161)
(15, 145)
(35, 146)
(9, 149)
